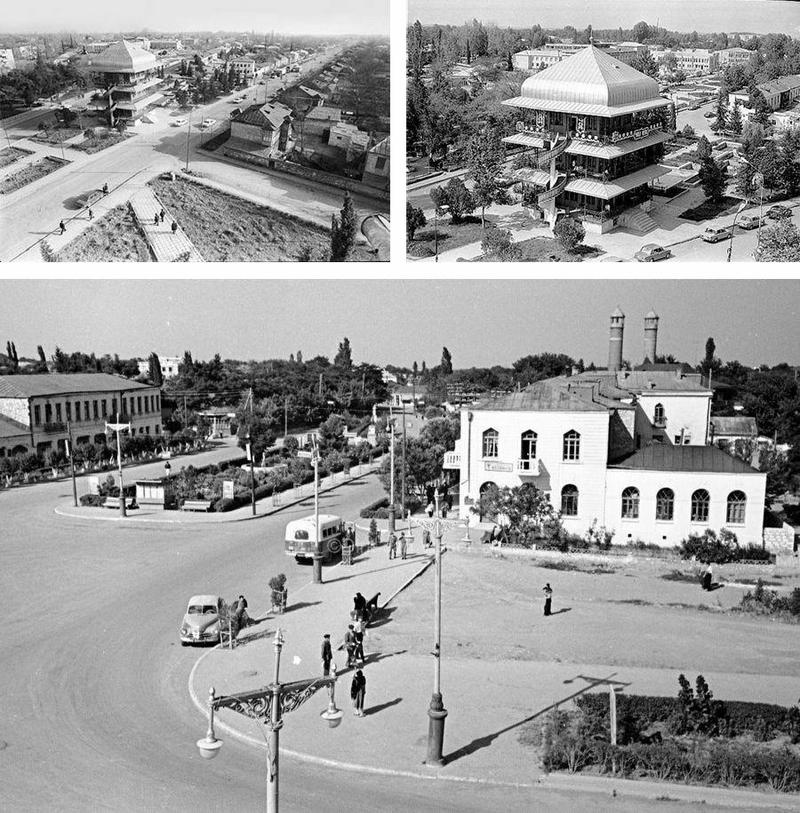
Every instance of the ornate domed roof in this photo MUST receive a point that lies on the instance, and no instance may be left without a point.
(123, 56)
(591, 76)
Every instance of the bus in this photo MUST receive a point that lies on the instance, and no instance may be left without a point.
(301, 537)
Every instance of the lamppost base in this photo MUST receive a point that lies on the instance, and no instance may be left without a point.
(436, 716)
(391, 519)
(317, 567)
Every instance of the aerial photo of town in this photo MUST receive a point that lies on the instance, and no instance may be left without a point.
(619, 131)
(233, 137)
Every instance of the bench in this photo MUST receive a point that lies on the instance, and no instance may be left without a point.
(113, 502)
(196, 505)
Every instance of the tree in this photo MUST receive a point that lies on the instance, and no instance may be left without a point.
(41, 364)
(498, 244)
(735, 119)
(331, 435)
(540, 366)
(569, 233)
(708, 360)
(712, 179)
(721, 114)
(343, 358)
(416, 49)
(703, 149)
(415, 218)
(645, 64)
(523, 509)
(781, 477)
(182, 97)
(456, 197)
(447, 362)
(641, 31)
(779, 243)
(485, 157)
(761, 109)
(154, 370)
(688, 131)
(343, 231)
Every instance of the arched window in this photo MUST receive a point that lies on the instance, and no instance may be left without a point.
(528, 445)
(659, 415)
(665, 504)
(569, 501)
(737, 502)
(700, 502)
(572, 445)
(490, 444)
(630, 503)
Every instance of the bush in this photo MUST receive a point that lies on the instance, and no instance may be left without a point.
(93, 500)
(708, 547)
(498, 244)
(372, 509)
(770, 602)
(569, 233)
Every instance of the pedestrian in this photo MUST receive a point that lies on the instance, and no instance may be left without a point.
(358, 689)
(392, 546)
(548, 599)
(327, 654)
(161, 215)
(240, 613)
(105, 188)
(350, 644)
(403, 544)
(174, 227)
(707, 576)
(155, 219)
(62, 226)
(359, 605)
(359, 629)
(445, 509)
(429, 510)
(426, 538)
(91, 215)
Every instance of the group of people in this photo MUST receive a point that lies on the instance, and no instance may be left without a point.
(393, 540)
(358, 686)
(158, 217)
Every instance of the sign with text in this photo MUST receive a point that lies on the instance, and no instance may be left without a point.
(489, 466)
(227, 489)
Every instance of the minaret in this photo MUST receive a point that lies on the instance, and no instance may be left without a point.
(615, 340)
(650, 337)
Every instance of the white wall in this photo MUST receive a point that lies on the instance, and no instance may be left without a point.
(683, 412)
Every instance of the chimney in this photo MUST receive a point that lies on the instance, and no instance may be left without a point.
(615, 340)
(650, 337)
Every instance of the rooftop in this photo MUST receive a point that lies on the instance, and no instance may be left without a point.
(272, 114)
(49, 384)
(663, 457)
(11, 429)
(124, 57)
(552, 394)
(644, 381)
(781, 84)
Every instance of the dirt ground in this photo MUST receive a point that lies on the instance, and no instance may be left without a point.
(619, 613)
(115, 237)
(226, 228)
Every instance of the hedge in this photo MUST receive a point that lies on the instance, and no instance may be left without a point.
(370, 511)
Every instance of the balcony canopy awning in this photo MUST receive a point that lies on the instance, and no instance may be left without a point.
(612, 189)
(585, 108)
(595, 150)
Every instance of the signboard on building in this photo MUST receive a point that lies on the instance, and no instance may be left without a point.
(488, 466)
(227, 489)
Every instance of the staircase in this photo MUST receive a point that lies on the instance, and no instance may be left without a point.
(554, 191)
(636, 221)
(544, 158)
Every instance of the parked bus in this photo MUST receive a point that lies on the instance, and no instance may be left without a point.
(301, 537)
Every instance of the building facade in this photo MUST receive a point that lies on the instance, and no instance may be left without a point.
(597, 446)
(596, 129)
(244, 68)
(127, 76)
(697, 60)
(734, 56)
(169, 366)
(42, 406)
(267, 127)
(377, 165)
(7, 62)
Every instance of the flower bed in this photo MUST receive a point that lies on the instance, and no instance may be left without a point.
(100, 142)
(30, 174)
(10, 154)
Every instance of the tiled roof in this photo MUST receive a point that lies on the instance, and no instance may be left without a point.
(44, 384)
(270, 115)
(780, 85)
(639, 381)
(663, 457)
(553, 394)
(381, 148)
(11, 429)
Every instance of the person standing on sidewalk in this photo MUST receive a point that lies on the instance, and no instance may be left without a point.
(62, 226)
(403, 545)
(327, 654)
(426, 538)
(91, 214)
(161, 215)
(548, 598)
(174, 227)
(358, 631)
(359, 606)
(350, 644)
(392, 546)
(707, 577)
(358, 690)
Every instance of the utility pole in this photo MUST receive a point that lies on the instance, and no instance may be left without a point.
(117, 427)
(188, 137)
(250, 456)
(391, 473)
(403, 472)
(317, 558)
(436, 711)
(70, 452)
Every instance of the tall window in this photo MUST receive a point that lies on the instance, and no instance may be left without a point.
(665, 504)
(630, 503)
(528, 445)
(77, 410)
(104, 407)
(95, 412)
(48, 413)
(68, 406)
(569, 501)
(86, 410)
(700, 503)
(58, 413)
(659, 416)
(37, 415)
(572, 445)
(737, 502)
(490, 443)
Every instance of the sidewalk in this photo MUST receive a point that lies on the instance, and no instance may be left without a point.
(167, 245)
(489, 701)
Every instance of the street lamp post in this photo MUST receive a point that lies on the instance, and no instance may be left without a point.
(391, 477)
(317, 556)
(739, 210)
(268, 705)
(71, 452)
(445, 208)
(118, 427)
(188, 137)
(436, 711)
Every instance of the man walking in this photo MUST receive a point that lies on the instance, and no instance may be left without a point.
(548, 598)
(91, 214)
(62, 226)
(358, 689)
(392, 546)
(403, 544)
(161, 215)
(174, 227)
(327, 654)
(426, 538)
(358, 633)
(350, 644)
(359, 606)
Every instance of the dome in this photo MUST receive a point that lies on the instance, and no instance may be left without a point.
(591, 76)
(123, 57)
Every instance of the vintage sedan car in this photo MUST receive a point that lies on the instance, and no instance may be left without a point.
(200, 625)
(178, 122)
(714, 234)
(651, 253)
(778, 212)
(208, 122)
(751, 221)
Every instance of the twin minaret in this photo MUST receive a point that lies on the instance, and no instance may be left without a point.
(616, 331)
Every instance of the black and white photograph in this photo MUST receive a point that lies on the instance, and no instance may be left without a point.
(622, 131)
(195, 132)
(387, 564)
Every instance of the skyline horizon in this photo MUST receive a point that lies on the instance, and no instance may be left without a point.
(570, 317)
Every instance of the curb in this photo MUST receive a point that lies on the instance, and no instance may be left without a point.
(407, 583)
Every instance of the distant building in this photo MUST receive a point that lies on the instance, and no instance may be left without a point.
(302, 99)
(318, 121)
(127, 75)
(787, 120)
(244, 68)
(169, 366)
(349, 138)
(7, 62)
(166, 45)
(697, 60)
(725, 431)
(376, 169)
(267, 127)
(734, 56)
(536, 59)
(781, 92)
(41, 405)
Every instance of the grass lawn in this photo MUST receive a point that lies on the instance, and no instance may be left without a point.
(100, 142)
(227, 228)
(450, 236)
(30, 174)
(10, 154)
(544, 249)
(115, 237)
(709, 210)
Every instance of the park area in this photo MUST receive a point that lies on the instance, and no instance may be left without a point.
(115, 237)
(8, 155)
(30, 173)
(629, 618)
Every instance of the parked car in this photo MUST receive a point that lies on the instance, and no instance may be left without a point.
(751, 221)
(715, 234)
(208, 122)
(178, 122)
(651, 253)
(778, 212)
(201, 622)
(709, 114)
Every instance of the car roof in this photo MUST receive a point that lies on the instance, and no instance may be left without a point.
(203, 599)
(650, 245)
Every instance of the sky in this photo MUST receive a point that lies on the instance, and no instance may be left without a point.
(175, 16)
(482, 322)
(759, 16)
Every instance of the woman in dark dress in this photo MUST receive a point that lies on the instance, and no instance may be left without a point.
(358, 688)
(548, 598)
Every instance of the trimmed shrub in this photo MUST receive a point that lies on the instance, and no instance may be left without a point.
(371, 510)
